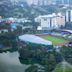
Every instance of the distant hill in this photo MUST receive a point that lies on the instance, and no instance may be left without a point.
(20, 8)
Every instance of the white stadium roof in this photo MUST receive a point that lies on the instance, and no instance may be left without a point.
(34, 39)
(70, 31)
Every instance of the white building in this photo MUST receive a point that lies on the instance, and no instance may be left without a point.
(28, 38)
(43, 2)
(68, 16)
(49, 2)
(51, 21)
(4, 30)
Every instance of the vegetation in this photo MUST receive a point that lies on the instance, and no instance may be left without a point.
(9, 9)
(8, 40)
(33, 28)
(34, 54)
(67, 53)
(63, 68)
(43, 55)
(32, 68)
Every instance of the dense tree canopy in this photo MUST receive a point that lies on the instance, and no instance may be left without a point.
(37, 54)
(67, 53)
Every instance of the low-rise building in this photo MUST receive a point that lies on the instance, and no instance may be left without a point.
(51, 21)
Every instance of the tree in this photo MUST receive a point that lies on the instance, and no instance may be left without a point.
(8, 39)
(32, 68)
(38, 54)
(67, 53)
(5, 7)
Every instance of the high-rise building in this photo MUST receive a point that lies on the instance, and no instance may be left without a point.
(68, 19)
(45, 2)
(68, 16)
(63, 1)
(49, 2)
(42, 2)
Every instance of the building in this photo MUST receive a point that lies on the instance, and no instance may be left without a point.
(50, 2)
(51, 21)
(68, 15)
(69, 2)
(43, 2)
(47, 2)
(68, 19)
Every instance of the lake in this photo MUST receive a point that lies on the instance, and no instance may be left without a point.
(9, 62)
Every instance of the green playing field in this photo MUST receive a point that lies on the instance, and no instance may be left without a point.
(55, 40)
(63, 68)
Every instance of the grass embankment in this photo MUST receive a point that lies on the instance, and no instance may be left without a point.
(63, 68)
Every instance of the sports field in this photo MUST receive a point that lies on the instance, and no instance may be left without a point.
(63, 68)
(55, 40)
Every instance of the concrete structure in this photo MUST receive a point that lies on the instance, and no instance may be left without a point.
(34, 39)
(51, 21)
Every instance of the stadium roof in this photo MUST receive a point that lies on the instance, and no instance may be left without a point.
(70, 31)
(34, 39)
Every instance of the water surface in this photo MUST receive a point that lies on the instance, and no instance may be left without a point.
(9, 62)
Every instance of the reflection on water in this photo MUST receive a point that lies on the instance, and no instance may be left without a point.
(9, 62)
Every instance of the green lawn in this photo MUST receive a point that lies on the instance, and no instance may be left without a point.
(62, 68)
(55, 40)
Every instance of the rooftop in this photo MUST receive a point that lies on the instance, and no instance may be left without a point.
(34, 39)
(51, 15)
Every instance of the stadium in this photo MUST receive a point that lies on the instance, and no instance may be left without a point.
(43, 39)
